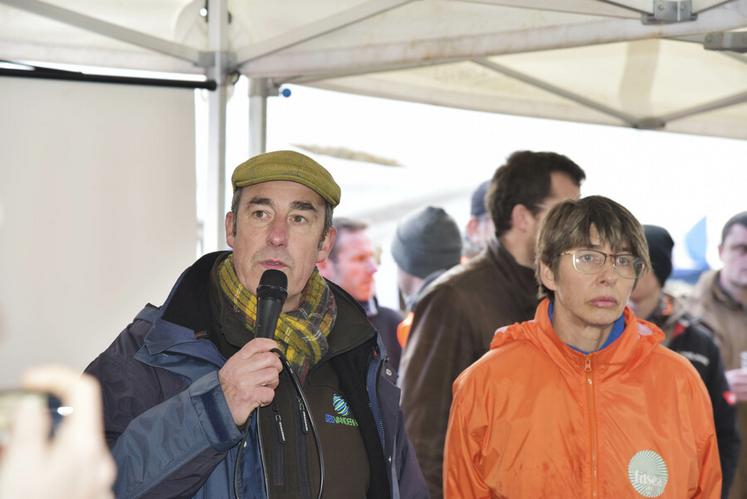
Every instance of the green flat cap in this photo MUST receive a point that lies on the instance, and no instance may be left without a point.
(287, 165)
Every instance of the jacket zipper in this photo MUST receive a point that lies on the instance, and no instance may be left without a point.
(304, 417)
(592, 412)
(262, 456)
(374, 370)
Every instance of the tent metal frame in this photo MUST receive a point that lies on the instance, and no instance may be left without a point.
(269, 63)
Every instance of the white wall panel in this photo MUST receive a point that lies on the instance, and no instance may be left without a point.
(97, 213)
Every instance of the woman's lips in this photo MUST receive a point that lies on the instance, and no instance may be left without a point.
(604, 302)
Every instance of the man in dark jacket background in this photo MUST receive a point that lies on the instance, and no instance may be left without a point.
(456, 318)
(196, 406)
(692, 339)
(352, 264)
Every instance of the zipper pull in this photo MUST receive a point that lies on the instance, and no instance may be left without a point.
(587, 366)
(279, 424)
(304, 416)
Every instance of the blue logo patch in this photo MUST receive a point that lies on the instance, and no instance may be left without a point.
(342, 409)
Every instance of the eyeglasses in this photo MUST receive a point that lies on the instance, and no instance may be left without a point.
(589, 261)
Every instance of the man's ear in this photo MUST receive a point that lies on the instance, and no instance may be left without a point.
(547, 277)
(230, 236)
(327, 244)
(521, 218)
(326, 268)
(721, 252)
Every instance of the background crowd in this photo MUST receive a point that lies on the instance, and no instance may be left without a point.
(457, 287)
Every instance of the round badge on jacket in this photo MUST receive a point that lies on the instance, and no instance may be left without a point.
(648, 473)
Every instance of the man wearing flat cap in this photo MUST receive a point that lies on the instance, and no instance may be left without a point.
(197, 406)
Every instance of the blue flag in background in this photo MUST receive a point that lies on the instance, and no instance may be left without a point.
(696, 244)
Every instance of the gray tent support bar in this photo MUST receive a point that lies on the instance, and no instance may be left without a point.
(92, 78)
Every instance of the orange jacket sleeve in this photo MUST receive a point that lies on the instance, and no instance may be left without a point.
(463, 449)
(709, 484)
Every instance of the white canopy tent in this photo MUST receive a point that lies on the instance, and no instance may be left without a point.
(93, 178)
(635, 63)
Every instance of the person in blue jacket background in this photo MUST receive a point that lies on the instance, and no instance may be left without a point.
(196, 406)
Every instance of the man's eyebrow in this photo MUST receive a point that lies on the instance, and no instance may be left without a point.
(303, 205)
(260, 200)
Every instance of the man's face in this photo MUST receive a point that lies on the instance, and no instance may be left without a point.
(733, 253)
(595, 300)
(278, 226)
(562, 189)
(355, 266)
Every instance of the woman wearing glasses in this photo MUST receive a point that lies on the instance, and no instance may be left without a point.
(582, 401)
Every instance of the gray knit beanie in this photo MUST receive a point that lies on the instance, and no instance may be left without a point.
(427, 241)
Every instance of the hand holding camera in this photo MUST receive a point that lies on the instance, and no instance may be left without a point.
(75, 462)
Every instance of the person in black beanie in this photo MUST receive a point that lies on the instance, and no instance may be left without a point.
(692, 339)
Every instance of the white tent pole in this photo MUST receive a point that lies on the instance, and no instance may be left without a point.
(731, 100)
(109, 30)
(214, 234)
(279, 65)
(318, 28)
(554, 89)
(257, 115)
(583, 7)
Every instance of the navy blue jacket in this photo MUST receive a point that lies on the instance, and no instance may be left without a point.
(168, 423)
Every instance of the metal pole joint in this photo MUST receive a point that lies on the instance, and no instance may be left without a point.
(670, 12)
(733, 41)
(651, 123)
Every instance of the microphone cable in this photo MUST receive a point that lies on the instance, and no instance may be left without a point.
(317, 439)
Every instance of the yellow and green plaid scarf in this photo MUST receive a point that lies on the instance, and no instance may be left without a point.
(302, 333)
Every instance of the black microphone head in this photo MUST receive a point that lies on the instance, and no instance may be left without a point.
(273, 284)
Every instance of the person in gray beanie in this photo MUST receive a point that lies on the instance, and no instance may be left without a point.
(425, 245)
(694, 340)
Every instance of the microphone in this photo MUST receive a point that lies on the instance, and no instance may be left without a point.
(271, 294)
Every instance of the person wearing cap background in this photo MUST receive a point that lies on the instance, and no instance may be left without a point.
(479, 227)
(426, 244)
(183, 384)
(692, 339)
(351, 264)
(455, 319)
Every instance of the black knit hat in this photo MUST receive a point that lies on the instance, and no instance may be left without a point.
(427, 241)
(660, 246)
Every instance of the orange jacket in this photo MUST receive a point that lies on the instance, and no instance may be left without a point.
(534, 418)
(403, 329)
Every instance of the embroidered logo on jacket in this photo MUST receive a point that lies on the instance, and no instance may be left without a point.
(342, 409)
(648, 473)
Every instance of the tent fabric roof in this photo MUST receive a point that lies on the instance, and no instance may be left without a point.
(581, 60)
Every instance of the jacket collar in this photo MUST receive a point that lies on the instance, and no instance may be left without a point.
(180, 325)
(637, 341)
(501, 258)
(352, 327)
(709, 289)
